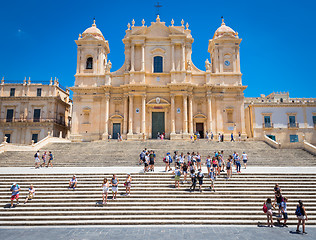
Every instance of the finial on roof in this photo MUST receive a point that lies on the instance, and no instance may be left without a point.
(128, 26)
(158, 18)
(143, 22)
(133, 23)
(187, 26)
(182, 22)
(94, 25)
(223, 23)
(172, 22)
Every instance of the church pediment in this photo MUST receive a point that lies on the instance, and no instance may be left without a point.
(158, 101)
(158, 29)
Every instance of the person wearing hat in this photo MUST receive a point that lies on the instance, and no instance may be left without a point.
(73, 182)
(15, 189)
(128, 184)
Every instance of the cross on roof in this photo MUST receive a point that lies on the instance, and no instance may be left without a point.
(157, 6)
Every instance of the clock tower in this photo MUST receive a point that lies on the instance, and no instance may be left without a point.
(224, 50)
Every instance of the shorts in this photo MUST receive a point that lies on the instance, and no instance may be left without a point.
(177, 178)
(146, 164)
(245, 161)
(208, 165)
(220, 165)
(269, 212)
(37, 160)
(105, 190)
(30, 196)
(200, 182)
(302, 217)
(186, 172)
(114, 189)
(214, 165)
(16, 196)
(128, 184)
(199, 160)
(151, 163)
(285, 216)
(228, 168)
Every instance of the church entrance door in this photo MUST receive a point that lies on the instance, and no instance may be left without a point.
(116, 130)
(200, 129)
(158, 124)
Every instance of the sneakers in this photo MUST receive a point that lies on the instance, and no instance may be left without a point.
(298, 231)
(304, 232)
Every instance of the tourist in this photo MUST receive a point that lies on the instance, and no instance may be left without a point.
(142, 157)
(170, 161)
(37, 160)
(50, 160)
(44, 159)
(232, 137)
(207, 137)
(185, 172)
(166, 160)
(223, 162)
(239, 136)
(181, 160)
(189, 158)
(152, 160)
(219, 168)
(73, 182)
(278, 199)
(229, 167)
(128, 183)
(222, 137)
(118, 137)
(277, 188)
(284, 212)
(212, 179)
(146, 162)
(105, 190)
(238, 165)
(193, 181)
(197, 159)
(219, 137)
(301, 216)
(200, 177)
(109, 137)
(215, 164)
(212, 136)
(269, 206)
(177, 174)
(244, 159)
(31, 194)
(208, 164)
(114, 183)
(15, 189)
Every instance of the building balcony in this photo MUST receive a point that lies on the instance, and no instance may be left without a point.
(293, 125)
(33, 120)
(267, 125)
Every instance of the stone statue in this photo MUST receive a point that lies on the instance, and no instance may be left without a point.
(189, 65)
(108, 66)
(207, 65)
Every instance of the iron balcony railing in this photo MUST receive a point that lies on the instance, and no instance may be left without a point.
(29, 120)
(267, 125)
(293, 125)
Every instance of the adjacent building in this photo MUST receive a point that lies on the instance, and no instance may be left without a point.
(29, 111)
(284, 119)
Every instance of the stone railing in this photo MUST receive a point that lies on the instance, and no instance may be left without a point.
(271, 142)
(33, 147)
(309, 148)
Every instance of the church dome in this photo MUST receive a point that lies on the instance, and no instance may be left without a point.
(223, 29)
(93, 30)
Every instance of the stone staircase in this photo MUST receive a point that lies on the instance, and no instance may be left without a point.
(126, 153)
(153, 200)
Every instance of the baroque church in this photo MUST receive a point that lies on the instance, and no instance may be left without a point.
(158, 89)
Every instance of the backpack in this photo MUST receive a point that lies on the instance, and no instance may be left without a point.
(178, 173)
(35, 155)
(228, 164)
(164, 160)
(298, 211)
(265, 208)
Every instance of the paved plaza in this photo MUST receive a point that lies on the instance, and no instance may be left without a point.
(155, 232)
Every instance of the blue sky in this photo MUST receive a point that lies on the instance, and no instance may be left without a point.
(277, 52)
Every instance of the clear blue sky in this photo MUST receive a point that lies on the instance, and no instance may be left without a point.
(277, 52)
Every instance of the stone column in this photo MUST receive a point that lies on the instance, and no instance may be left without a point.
(183, 57)
(242, 116)
(106, 117)
(209, 112)
(131, 111)
(172, 57)
(132, 57)
(190, 114)
(173, 124)
(219, 114)
(143, 58)
(238, 61)
(143, 126)
(125, 106)
(185, 114)
(221, 64)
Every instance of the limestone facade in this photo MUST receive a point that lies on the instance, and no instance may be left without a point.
(158, 88)
(284, 119)
(32, 110)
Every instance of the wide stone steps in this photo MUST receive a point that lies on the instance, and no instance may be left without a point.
(153, 200)
(113, 153)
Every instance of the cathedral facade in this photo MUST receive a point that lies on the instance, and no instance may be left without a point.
(158, 89)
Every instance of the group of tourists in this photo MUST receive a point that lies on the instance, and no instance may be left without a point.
(15, 194)
(45, 157)
(280, 203)
(148, 158)
(210, 136)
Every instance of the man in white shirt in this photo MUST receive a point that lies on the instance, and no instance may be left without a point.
(244, 159)
(73, 182)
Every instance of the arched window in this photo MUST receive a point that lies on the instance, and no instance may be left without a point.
(89, 63)
(158, 64)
